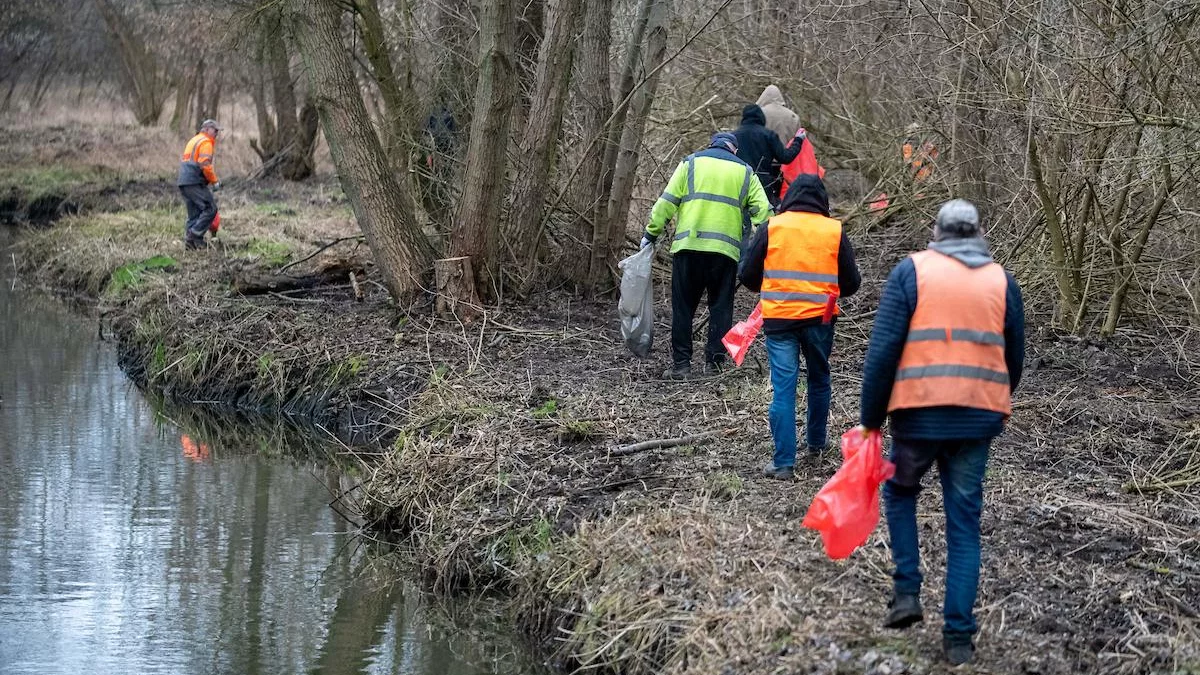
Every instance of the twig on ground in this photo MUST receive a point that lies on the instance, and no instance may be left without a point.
(661, 443)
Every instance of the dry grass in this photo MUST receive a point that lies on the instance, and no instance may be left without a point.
(498, 471)
(91, 128)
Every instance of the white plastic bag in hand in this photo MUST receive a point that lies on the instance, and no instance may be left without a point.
(636, 306)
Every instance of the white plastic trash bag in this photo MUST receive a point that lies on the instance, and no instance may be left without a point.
(637, 302)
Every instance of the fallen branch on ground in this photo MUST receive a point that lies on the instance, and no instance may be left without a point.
(661, 443)
(318, 252)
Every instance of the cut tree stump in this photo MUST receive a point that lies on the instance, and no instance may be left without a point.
(456, 296)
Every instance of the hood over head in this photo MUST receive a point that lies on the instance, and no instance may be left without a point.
(770, 96)
(752, 114)
(807, 194)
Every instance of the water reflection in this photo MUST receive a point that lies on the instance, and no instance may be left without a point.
(130, 546)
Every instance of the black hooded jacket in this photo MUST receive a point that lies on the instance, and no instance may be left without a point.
(806, 194)
(761, 148)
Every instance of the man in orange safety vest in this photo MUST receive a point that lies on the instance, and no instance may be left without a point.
(945, 354)
(801, 262)
(197, 181)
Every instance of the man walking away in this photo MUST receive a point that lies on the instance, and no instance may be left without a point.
(196, 175)
(945, 355)
(801, 261)
(707, 195)
(759, 147)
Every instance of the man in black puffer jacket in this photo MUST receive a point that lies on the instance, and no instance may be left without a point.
(761, 148)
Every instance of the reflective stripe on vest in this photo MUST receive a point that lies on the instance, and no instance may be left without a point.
(701, 234)
(800, 272)
(191, 152)
(697, 231)
(693, 195)
(954, 352)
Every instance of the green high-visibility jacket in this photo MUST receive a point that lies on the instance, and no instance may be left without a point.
(707, 195)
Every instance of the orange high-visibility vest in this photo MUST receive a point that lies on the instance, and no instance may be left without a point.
(920, 162)
(199, 150)
(954, 355)
(800, 272)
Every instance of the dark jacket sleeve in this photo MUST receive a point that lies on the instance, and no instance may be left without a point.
(784, 154)
(887, 343)
(750, 270)
(849, 279)
(1014, 333)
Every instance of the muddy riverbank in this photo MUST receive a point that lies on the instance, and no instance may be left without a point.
(488, 447)
(141, 538)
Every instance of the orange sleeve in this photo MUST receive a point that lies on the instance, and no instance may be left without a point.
(204, 157)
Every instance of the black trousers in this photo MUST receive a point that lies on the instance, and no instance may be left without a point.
(201, 209)
(692, 274)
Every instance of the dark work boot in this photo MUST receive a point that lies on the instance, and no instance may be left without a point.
(678, 372)
(713, 368)
(778, 472)
(958, 649)
(903, 611)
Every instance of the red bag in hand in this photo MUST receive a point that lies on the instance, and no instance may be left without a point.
(846, 510)
(737, 341)
(805, 162)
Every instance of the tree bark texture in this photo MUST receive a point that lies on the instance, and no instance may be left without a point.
(603, 252)
(593, 98)
(397, 113)
(540, 141)
(401, 251)
(625, 169)
(475, 230)
(398, 96)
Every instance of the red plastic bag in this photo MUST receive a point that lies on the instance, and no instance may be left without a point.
(216, 223)
(737, 341)
(846, 510)
(805, 162)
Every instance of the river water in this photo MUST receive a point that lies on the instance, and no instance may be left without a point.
(131, 545)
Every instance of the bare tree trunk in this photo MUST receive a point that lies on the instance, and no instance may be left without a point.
(185, 92)
(1127, 264)
(631, 69)
(398, 96)
(267, 143)
(476, 223)
(397, 114)
(528, 38)
(625, 169)
(438, 177)
(1068, 294)
(593, 93)
(401, 251)
(539, 142)
(146, 86)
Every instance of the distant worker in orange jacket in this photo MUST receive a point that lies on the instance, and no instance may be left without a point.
(919, 154)
(197, 182)
(946, 352)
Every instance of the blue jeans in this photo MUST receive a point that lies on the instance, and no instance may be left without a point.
(783, 353)
(961, 466)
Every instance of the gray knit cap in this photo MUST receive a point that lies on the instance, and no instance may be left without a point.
(957, 219)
